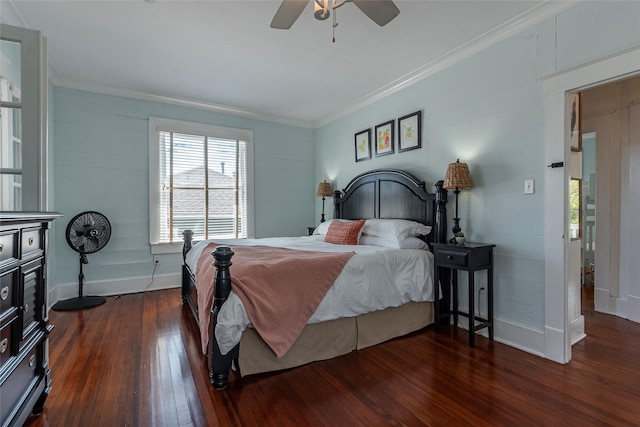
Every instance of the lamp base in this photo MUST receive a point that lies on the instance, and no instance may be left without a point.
(456, 226)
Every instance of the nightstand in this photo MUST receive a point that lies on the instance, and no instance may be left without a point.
(469, 257)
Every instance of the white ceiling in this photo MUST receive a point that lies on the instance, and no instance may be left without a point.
(223, 54)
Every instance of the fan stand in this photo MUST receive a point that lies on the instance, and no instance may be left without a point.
(80, 301)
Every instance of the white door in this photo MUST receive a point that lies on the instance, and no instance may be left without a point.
(23, 114)
(607, 234)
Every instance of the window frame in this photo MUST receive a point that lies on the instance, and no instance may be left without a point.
(158, 124)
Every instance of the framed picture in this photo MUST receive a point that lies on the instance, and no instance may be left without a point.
(575, 119)
(410, 132)
(363, 145)
(384, 138)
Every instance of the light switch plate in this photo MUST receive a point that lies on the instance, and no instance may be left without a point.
(529, 186)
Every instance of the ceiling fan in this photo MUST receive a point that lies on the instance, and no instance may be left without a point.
(379, 11)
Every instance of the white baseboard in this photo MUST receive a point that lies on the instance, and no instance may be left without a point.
(577, 329)
(129, 285)
(605, 303)
(513, 335)
(633, 304)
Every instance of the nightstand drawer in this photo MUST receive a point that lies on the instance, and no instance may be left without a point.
(451, 258)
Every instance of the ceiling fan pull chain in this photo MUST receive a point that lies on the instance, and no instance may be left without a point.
(335, 24)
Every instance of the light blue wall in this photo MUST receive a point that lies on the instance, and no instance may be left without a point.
(488, 111)
(101, 163)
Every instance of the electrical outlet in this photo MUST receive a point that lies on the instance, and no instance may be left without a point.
(156, 259)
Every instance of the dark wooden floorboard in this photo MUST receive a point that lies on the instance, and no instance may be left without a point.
(135, 361)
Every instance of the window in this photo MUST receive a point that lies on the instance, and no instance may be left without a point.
(200, 178)
(575, 208)
(22, 119)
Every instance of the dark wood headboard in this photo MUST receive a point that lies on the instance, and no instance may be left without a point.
(393, 194)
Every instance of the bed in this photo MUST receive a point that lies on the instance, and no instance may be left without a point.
(377, 196)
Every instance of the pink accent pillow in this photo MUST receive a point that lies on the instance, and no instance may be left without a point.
(344, 232)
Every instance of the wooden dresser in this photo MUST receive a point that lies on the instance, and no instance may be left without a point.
(24, 329)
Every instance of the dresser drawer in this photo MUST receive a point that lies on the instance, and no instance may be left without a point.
(8, 246)
(8, 294)
(31, 242)
(6, 338)
(15, 390)
(451, 258)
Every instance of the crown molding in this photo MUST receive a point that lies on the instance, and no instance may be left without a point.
(530, 17)
(182, 102)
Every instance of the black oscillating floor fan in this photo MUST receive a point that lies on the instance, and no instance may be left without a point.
(87, 232)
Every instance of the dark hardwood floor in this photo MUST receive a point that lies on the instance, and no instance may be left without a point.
(135, 361)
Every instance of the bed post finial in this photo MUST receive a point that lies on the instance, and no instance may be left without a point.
(337, 196)
(441, 213)
(187, 237)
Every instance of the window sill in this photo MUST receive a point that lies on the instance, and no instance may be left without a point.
(166, 248)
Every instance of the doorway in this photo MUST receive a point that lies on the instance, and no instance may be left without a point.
(609, 153)
(558, 275)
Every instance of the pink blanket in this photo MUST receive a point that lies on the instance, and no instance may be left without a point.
(279, 288)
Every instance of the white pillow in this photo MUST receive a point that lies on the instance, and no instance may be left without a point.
(395, 230)
(408, 243)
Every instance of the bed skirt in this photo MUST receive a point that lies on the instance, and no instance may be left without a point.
(321, 341)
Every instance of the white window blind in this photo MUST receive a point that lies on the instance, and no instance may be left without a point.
(202, 182)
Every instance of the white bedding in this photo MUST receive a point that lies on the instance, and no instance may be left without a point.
(373, 279)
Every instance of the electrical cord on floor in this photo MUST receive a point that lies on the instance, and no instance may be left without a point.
(155, 266)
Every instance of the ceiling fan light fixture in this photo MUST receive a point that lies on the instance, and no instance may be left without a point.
(379, 11)
(321, 9)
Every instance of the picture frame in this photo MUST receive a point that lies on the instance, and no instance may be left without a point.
(362, 142)
(410, 132)
(575, 121)
(384, 138)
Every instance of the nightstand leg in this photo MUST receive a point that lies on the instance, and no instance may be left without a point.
(472, 312)
(454, 285)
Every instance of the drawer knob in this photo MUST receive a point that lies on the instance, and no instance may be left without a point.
(449, 257)
(4, 293)
(1, 246)
(30, 241)
(32, 361)
(4, 344)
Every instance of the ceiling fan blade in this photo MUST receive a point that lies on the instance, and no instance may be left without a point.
(288, 13)
(380, 11)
